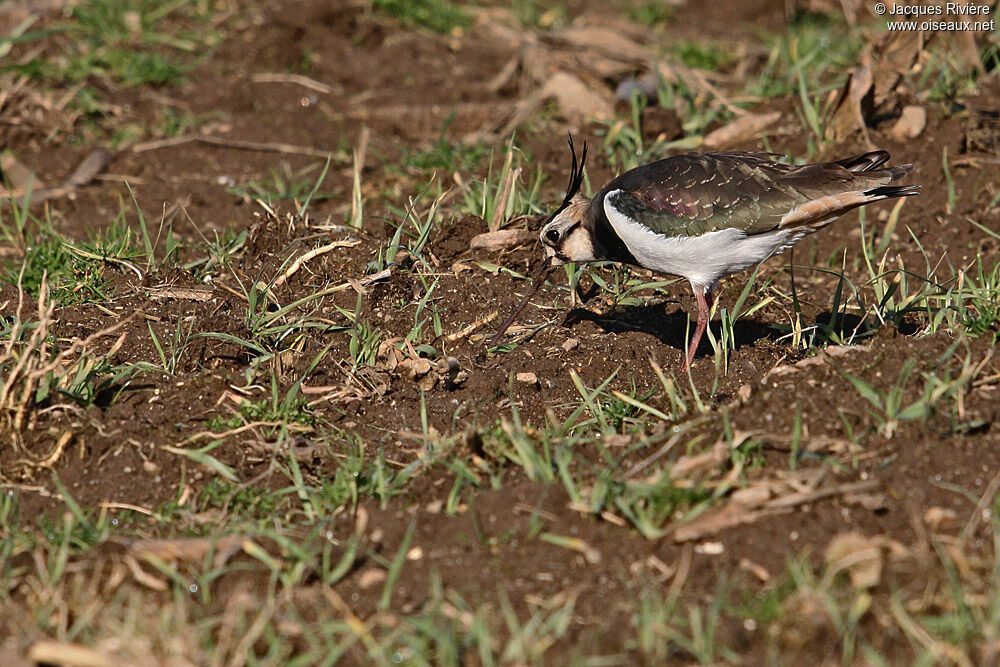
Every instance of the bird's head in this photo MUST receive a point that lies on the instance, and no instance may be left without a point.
(566, 235)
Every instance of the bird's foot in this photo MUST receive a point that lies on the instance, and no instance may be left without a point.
(685, 366)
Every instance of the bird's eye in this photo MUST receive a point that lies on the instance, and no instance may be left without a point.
(552, 235)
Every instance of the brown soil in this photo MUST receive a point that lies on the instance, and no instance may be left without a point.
(404, 86)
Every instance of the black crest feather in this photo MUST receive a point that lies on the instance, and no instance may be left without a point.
(575, 175)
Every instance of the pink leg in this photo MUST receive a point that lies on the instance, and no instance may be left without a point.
(704, 307)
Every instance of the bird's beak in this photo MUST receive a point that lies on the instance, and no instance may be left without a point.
(536, 283)
(552, 258)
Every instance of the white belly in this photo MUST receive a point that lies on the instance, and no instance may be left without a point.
(703, 259)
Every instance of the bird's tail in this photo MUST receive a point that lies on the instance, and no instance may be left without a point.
(890, 191)
(864, 162)
(869, 163)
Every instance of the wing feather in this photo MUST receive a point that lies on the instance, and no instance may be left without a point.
(697, 193)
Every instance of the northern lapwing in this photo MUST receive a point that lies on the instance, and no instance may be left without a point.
(704, 216)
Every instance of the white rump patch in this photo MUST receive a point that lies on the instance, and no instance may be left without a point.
(703, 259)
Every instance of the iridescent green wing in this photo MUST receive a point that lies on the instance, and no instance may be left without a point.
(696, 193)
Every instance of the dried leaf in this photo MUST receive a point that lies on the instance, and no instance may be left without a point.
(855, 105)
(605, 42)
(187, 549)
(911, 123)
(741, 129)
(577, 99)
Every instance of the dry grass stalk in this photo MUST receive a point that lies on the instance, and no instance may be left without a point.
(27, 365)
(297, 264)
(210, 140)
(511, 175)
(298, 79)
(63, 653)
(469, 330)
(22, 364)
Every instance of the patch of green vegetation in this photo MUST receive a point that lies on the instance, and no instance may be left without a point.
(437, 16)
(906, 400)
(220, 251)
(540, 15)
(816, 48)
(652, 13)
(131, 68)
(742, 308)
(243, 500)
(947, 77)
(623, 287)
(413, 229)
(69, 281)
(622, 409)
(76, 272)
(285, 184)
(667, 629)
(502, 195)
(651, 502)
(624, 143)
(294, 411)
(837, 598)
(982, 317)
(703, 55)
(175, 123)
(37, 370)
(133, 42)
(444, 155)
(271, 328)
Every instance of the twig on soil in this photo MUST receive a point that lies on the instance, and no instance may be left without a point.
(321, 389)
(683, 569)
(795, 499)
(989, 495)
(384, 274)
(185, 293)
(734, 514)
(655, 456)
(298, 79)
(469, 330)
(264, 147)
(34, 488)
(188, 549)
(56, 454)
(48, 652)
(229, 289)
(85, 172)
(236, 431)
(104, 257)
(143, 577)
(989, 379)
(133, 508)
(312, 254)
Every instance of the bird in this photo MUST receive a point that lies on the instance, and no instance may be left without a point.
(707, 215)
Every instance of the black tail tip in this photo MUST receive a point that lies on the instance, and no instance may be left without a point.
(891, 191)
(865, 162)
